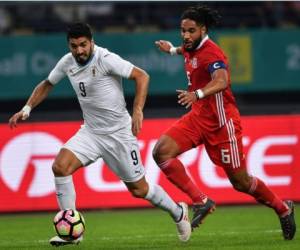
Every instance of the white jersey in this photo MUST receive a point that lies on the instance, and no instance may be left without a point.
(98, 86)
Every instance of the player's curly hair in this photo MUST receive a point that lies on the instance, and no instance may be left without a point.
(202, 15)
(77, 30)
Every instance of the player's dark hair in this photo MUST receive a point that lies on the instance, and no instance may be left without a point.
(202, 15)
(77, 30)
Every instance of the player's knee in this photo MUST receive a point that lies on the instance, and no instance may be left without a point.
(161, 153)
(139, 192)
(238, 187)
(241, 186)
(156, 153)
(59, 169)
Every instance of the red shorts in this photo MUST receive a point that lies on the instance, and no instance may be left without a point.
(223, 144)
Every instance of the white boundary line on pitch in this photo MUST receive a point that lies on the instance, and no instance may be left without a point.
(118, 237)
(112, 238)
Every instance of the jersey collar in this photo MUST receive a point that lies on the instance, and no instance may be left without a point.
(202, 42)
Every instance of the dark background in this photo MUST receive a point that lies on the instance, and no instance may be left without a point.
(19, 18)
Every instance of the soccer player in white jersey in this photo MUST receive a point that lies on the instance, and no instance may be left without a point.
(108, 130)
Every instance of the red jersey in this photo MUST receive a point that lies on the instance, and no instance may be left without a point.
(199, 65)
(214, 120)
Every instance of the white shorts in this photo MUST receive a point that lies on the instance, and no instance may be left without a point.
(118, 150)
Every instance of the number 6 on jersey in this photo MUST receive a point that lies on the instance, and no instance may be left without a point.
(225, 156)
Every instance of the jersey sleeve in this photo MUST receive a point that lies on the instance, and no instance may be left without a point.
(58, 72)
(114, 64)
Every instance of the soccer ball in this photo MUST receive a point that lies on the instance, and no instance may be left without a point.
(69, 224)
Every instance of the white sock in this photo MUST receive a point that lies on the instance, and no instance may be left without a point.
(159, 198)
(65, 192)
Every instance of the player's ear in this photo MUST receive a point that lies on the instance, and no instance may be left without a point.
(203, 30)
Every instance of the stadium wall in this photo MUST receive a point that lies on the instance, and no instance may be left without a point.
(26, 154)
(257, 63)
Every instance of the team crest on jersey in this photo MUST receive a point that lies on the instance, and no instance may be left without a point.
(194, 62)
(94, 71)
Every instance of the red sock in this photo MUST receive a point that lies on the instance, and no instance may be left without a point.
(265, 196)
(175, 172)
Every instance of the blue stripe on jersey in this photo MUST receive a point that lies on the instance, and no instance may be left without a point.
(216, 65)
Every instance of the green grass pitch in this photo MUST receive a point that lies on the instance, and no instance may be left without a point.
(229, 227)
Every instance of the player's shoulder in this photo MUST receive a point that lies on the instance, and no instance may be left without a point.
(103, 58)
(211, 51)
(211, 47)
(67, 58)
(102, 52)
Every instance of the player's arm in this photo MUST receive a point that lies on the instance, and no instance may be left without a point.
(218, 83)
(168, 47)
(40, 92)
(141, 79)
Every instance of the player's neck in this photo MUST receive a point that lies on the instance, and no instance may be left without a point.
(205, 38)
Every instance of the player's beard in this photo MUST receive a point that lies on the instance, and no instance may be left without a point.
(194, 45)
(83, 61)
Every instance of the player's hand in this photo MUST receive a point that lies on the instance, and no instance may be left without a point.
(137, 121)
(186, 98)
(21, 115)
(164, 46)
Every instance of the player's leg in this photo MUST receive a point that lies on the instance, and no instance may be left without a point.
(229, 154)
(180, 138)
(165, 155)
(121, 153)
(79, 150)
(157, 196)
(255, 187)
(65, 164)
(243, 182)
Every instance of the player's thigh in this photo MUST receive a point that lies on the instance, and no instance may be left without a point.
(165, 148)
(120, 151)
(84, 146)
(65, 163)
(228, 155)
(181, 136)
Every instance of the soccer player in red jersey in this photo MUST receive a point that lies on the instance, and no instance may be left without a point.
(213, 120)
